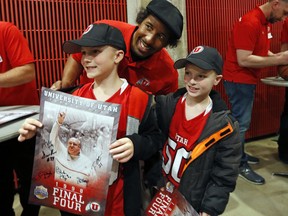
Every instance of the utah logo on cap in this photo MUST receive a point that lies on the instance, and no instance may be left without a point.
(197, 49)
(88, 29)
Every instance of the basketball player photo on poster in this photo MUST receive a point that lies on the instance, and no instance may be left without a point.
(72, 164)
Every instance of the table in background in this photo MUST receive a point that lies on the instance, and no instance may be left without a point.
(10, 129)
(275, 81)
(278, 81)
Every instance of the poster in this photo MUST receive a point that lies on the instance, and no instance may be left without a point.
(72, 163)
(7, 116)
(170, 203)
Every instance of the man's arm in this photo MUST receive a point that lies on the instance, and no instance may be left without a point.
(245, 58)
(19, 56)
(17, 76)
(72, 71)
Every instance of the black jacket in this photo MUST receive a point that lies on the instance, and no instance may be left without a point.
(208, 180)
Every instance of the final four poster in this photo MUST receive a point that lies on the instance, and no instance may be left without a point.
(170, 203)
(72, 165)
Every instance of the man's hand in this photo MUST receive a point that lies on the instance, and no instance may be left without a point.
(57, 85)
(122, 150)
(28, 129)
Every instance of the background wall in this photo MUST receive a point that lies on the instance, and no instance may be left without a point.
(47, 24)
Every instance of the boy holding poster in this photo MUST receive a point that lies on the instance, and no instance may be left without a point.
(203, 150)
(102, 48)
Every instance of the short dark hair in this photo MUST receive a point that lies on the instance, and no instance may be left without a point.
(143, 14)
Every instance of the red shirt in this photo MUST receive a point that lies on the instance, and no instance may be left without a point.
(114, 205)
(284, 33)
(14, 52)
(183, 134)
(155, 74)
(251, 32)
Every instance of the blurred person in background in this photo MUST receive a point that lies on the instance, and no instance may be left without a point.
(248, 52)
(17, 87)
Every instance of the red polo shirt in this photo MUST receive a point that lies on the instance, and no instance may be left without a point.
(251, 32)
(155, 74)
(14, 52)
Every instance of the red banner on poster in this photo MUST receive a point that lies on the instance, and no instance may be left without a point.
(170, 203)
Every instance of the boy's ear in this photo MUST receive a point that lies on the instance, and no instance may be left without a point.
(119, 56)
(217, 79)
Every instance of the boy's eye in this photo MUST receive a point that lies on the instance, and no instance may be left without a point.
(201, 76)
(96, 50)
(90, 52)
(196, 77)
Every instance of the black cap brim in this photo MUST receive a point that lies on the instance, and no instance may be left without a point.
(181, 63)
(74, 46)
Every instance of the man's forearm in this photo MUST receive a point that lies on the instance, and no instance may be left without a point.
(71, 72)
(247, 59)
(17, 76)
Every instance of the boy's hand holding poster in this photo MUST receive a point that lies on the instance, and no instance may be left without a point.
(170, 202)
(72, 163)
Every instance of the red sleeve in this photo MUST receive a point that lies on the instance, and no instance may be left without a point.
(172, 84)
(77, 57)
(245, 35)
(17, 47)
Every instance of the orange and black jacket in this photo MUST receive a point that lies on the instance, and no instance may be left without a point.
(211, 172)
